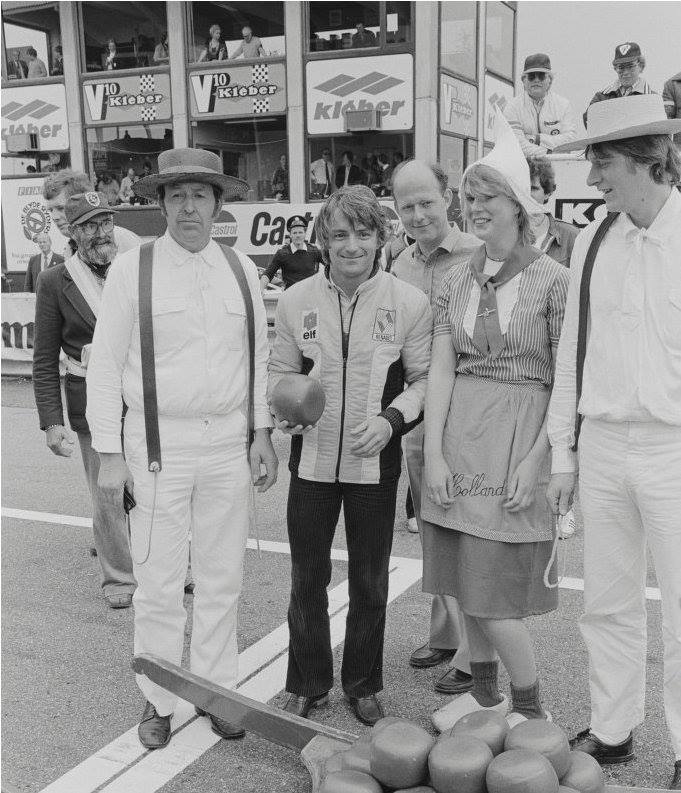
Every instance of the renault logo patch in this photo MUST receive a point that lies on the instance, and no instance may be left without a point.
(310, 324)
(93, 199)
(384, 325)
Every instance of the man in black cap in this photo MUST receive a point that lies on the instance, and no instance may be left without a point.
(628, 64)
(539, 117)
(297, 260)
(67, 305)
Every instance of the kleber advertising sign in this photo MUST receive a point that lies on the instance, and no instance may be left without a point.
(377, 83)
(458, 107)
(36, 110)
(497, 95)
(255, 89)
(135, 99)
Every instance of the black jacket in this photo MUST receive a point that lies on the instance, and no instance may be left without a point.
(33, 270)
(63, 321)
(354, 177)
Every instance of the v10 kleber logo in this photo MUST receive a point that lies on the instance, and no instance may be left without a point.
(129, 98)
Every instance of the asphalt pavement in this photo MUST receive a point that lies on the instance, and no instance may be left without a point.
(69, 701)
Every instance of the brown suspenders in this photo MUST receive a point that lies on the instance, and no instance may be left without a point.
(582, 328)
(147, 348)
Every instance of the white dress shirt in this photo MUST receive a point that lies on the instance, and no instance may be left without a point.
(200, 340)
(632, 371)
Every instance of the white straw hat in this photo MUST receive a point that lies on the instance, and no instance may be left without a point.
(625, 117)
(507, 158)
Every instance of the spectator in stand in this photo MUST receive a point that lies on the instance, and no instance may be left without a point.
(58, 61)
(57, 189)
(321, 175)
(280, 180)
(109, 187)
(41, 261)
(373, 172)
(126, 194)
(215, 48)
(162, 53)
(628, 64)
(111, 56)
(386, 174)
(36, 68)
(251, 46)
(297, 260)
(16, 68)
(363, 37)
(540, 118)
(347, 173)
(671, 96)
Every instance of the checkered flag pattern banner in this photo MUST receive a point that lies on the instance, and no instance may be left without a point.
(261, 72)
(261, 105)
(147, 83)
(149, 114)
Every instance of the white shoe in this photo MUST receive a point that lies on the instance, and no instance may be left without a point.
(514, 718)
(412, 526)
(446, 717)
(566, 525)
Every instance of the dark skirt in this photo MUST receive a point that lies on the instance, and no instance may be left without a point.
(490, 579)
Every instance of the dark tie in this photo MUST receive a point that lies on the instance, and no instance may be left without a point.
(487, 336)
(328, 179)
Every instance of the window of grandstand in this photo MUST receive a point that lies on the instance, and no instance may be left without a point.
(31, 164)
(113, 151)
(452, 158)
(367, 159)
(238, 30)
(122, 35)
(359, 25)
(499, 34)
(459, 37)
(254, 150)
(32, 39)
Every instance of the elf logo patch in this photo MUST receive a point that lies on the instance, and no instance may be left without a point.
(310, 324)
(384, 325)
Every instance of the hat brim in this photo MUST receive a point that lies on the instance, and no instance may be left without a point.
(538, 69)
(231, 186)
(93, 213)
(669, 126)
(629, 59)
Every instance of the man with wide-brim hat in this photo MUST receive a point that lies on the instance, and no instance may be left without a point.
(296, 260)
(540, 118)
(628, 64)
(628, 372)
(186, 446)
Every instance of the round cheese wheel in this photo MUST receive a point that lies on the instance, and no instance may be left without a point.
(458, 764)
(583, 774)
(399, 754)
(298, 399)
(350, 782)
(356, 758)
(544, 737)
(488, 726)
(521, 771)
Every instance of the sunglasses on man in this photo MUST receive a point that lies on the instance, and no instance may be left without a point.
(541, 76)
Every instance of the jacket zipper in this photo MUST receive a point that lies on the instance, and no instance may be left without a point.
(345, 343)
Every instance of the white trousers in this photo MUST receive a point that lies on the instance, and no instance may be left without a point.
(446, 622)
(630, 492)
(202, 489)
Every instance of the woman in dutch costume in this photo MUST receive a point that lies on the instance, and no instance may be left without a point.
(489, 536)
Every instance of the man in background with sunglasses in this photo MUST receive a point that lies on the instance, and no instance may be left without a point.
(539, 117)
(68, 297)
(628, 64)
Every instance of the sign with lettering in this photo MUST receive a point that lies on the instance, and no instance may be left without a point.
(38, 110)
(132, 99)
(385, 84)
(257, 89)
(458, 107)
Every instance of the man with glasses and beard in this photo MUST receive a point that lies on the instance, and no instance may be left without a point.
(628, 64)
(539, 117)
(67, 303)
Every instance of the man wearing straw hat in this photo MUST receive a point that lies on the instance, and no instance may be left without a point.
(619, 366)
(184, 318)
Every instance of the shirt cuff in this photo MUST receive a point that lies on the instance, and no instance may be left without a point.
(107, 444)
(563, 461)
(395, 418)
(263, 420)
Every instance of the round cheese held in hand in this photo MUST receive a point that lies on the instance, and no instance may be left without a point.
(298, 399)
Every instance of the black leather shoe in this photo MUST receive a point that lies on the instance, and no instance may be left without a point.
(676, 781)
(153, 730)
(454, 681)
(301, 706)
(367, 709)
(604, 753)
(429, 656)
(222, 727)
